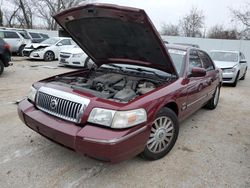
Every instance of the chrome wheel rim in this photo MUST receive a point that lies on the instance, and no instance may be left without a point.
(161, 134)
(49, 56)
(216, 96)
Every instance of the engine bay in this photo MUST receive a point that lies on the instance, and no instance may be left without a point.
(116, 86)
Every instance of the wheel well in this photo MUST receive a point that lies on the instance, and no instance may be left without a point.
(173, 106)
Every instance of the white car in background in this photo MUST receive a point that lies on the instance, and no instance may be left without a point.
(74, 57)
(48, 49)
(232, 63)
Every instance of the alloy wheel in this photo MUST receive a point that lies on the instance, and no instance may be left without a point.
(161, 134)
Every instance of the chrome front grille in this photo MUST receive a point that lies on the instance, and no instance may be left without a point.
(61, 104)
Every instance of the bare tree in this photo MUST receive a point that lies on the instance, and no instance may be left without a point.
(26, 12)
(10, 16)
(21, 15)
(192, 23)
(218, 32)
(47, 8)
(1, 17)
(243, 16)
(170, 30)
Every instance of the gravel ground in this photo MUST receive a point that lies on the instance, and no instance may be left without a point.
(213, 148)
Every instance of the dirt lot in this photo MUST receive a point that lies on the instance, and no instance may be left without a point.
(213, 148)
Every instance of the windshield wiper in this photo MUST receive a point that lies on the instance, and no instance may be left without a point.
(115, 66)
(149, 71)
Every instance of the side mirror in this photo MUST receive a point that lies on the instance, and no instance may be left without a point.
(198, 72)
(59, 44)
(243, 61)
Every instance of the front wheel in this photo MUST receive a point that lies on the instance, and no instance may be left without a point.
(244, 76)
(212, 103)
(163, 135)
(236, 80)
(49, 56)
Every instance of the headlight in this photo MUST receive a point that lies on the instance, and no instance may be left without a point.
(32, 94)
(117, 119)
(232, 70)
(78, 55)
(39, 49)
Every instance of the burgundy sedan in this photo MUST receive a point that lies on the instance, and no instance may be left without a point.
(132, 101)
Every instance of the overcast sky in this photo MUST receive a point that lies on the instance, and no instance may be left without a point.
(170, 11)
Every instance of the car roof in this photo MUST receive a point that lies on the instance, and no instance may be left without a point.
(231, 51)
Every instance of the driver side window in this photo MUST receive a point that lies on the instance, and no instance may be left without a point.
(194, 60)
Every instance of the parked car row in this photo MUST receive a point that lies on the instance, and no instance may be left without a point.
(19, 38)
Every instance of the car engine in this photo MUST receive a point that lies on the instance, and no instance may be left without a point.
(112, 86)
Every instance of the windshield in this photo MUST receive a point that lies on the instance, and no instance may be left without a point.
(178, 57)
(224, 56)
(24, 34)
(50, 41)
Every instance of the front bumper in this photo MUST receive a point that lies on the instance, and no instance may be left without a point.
(229, 77)
(36, 54)
(96, 142)
(77, 62)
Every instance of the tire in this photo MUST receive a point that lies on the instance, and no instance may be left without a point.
(244, 76)
(212, 103)
(163, 135)
(20, 50)
(1, 67)
(236, 80)
(49, 56)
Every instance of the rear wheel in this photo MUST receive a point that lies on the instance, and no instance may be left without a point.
(1, 67)
(49, 56)
(212, 103)
(163, 135)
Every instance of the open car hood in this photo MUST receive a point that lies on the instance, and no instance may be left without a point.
(116, 34)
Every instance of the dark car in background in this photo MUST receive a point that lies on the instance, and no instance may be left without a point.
(5, 55)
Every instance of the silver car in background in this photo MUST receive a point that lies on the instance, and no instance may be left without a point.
(232, 63)
(16, 41)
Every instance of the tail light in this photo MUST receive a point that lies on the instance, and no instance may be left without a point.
(7, 46)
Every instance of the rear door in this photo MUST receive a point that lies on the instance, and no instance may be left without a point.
(211, 78)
